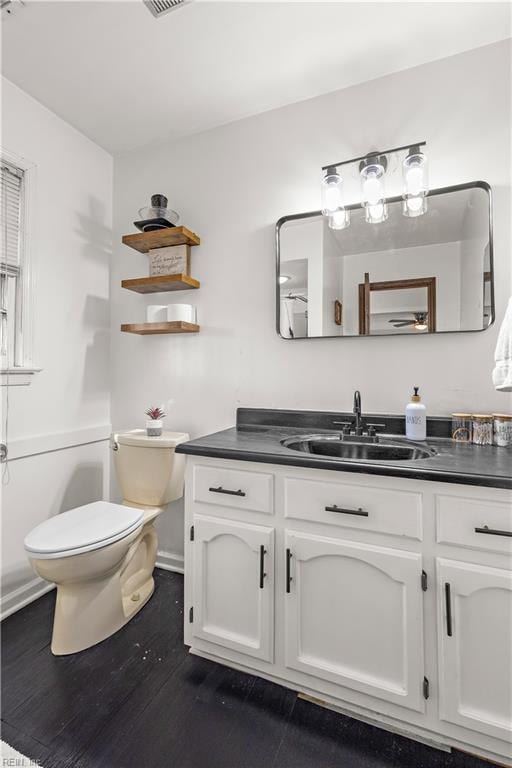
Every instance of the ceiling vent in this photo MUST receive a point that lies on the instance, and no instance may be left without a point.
(161, 7)
(10, 7)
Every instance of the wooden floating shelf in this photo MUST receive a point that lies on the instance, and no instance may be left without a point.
(161, 283)
(160, 238)
(146, 329)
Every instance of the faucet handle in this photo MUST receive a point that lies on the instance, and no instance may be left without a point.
(372, 428)
(346, 426)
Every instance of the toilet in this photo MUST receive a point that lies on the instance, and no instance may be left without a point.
(101, 556)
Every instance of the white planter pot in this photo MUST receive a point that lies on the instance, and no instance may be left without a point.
(154, 427)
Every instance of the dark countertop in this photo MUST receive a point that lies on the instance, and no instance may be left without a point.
(454, 462)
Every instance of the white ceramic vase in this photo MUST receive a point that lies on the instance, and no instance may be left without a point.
(154, 427)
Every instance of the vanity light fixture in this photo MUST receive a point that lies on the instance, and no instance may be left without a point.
(284, 279)
(372, 170)
(332, 199)
(415, 178)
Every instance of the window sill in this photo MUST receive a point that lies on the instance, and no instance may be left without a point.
(18, 376)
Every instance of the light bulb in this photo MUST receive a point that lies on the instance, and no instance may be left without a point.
(283, 279)
(376, 213)
(372, 189)
(415, 206)
(332, 199)
(414, 176)
(415, 180)
(339, 219)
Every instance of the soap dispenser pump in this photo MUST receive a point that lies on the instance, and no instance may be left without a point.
(416, 418)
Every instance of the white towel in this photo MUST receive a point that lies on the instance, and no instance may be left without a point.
(287, 318)
(502, 374)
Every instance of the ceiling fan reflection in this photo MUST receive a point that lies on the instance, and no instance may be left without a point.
(418, 322)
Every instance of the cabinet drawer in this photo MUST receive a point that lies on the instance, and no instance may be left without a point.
(231, 488)
(475, 523)
(398, 513)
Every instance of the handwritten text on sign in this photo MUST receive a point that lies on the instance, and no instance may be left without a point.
(172, 260)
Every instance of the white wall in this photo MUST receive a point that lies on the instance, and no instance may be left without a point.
(333, 281)
(231, 185)
(68, 403)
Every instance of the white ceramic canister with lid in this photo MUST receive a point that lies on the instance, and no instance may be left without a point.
(502, 429)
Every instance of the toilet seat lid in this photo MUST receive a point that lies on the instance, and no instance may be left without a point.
(83, 529)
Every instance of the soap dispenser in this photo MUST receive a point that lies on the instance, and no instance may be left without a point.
(416, 418)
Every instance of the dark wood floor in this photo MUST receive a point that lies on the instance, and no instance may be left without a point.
(139, 700)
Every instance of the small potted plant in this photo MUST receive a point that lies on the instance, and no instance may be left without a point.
(154, 423)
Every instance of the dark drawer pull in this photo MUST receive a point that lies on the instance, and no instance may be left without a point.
(448, 599)
(360, 512)
(492, 531)
(220, 489)
(288, 570)
(263, 552)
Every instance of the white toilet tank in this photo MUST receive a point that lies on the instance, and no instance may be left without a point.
(149, 471)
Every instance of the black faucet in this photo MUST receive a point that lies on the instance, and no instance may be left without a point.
(358, 423)
(357, 427)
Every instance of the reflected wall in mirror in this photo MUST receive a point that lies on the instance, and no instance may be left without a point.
(429, 274)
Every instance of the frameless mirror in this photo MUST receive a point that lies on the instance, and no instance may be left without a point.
(426, 274)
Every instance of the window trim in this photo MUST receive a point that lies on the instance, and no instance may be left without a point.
(23, 369)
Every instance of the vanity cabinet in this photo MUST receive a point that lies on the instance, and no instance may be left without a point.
(475, 619)
(354, 616)
(378, 596)
(233, 585)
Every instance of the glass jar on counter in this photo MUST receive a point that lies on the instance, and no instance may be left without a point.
(502, 429)
(462, 427)
(482, 428)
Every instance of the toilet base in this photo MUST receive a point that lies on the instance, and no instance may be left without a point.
(65, 642)
(88, 612)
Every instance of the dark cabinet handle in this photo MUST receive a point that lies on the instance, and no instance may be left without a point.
(288, 569)
(492, 531)
(220, 489)
(263, 552)
(448, 600)
(360, 512)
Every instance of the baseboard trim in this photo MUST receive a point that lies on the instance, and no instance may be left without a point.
(170, 561)
(22, 596)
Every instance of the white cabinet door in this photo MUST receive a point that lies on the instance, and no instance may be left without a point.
(475, 626)
(354, 616)
(233, 601)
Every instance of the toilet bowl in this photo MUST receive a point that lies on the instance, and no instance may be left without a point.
(101, 556)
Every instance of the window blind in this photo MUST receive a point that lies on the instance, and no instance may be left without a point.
(11, 217)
